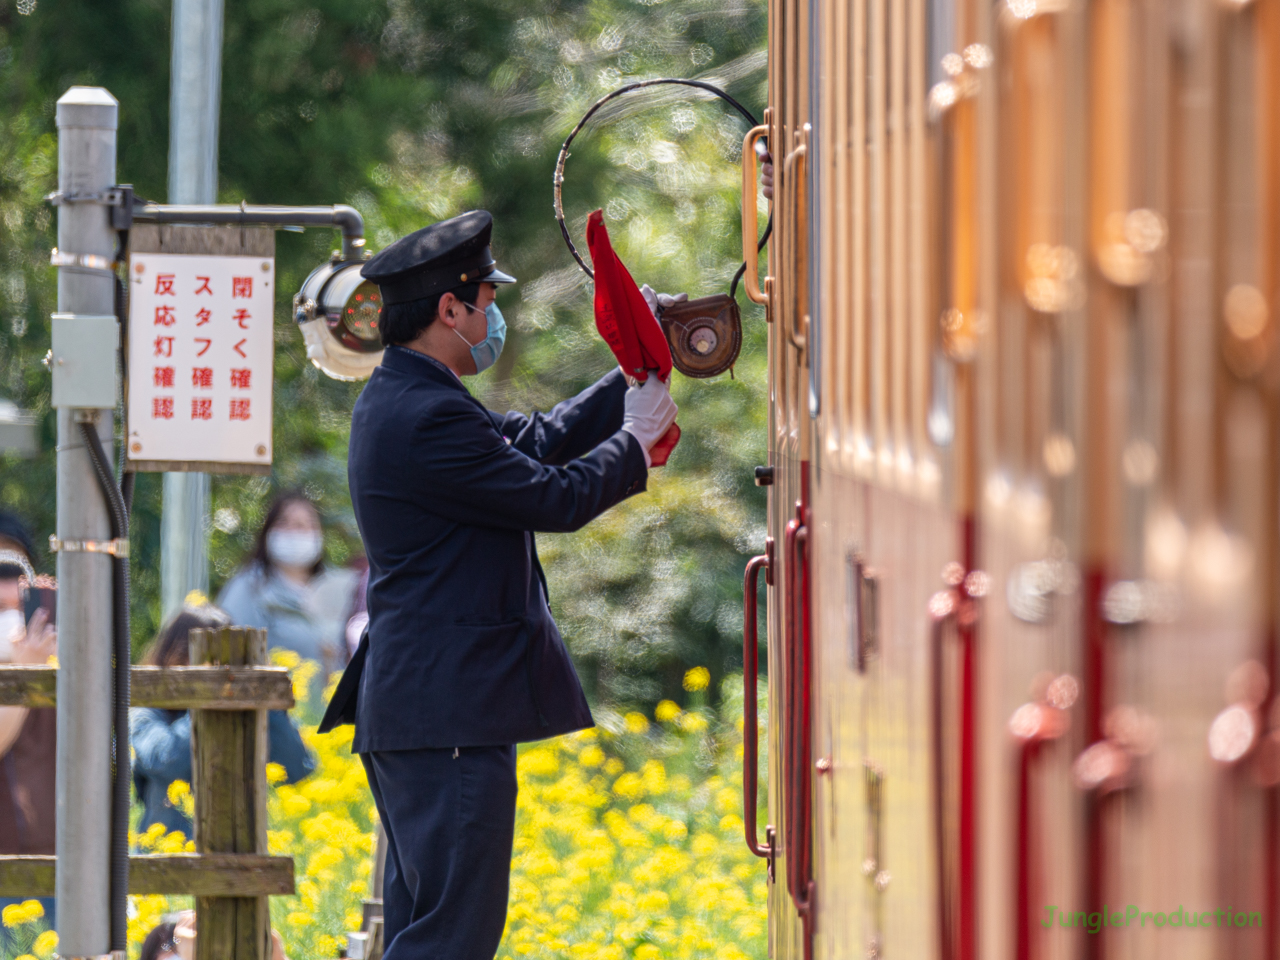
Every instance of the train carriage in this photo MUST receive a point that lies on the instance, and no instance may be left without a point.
(1023, 501)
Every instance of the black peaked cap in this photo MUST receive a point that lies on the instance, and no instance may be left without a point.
(437, 258)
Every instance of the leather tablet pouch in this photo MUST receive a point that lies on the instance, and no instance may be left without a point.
(705, 335)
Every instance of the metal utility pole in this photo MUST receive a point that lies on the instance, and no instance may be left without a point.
(84, 391)
(194, 100)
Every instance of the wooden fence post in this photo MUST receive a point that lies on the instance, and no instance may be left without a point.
(228, 760)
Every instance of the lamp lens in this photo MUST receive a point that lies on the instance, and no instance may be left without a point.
(361, 313)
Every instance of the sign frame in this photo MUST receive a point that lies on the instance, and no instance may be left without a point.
(213, 241)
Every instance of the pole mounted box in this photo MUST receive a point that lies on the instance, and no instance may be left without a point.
(82, 360)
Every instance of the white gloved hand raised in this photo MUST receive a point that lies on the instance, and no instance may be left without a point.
(656, 300)
(649, 411)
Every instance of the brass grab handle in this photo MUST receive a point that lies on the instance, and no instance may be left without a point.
(750, 222)
(793, 171)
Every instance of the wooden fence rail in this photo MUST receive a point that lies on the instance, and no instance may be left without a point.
(229, 689)
(169, 688)
(193, 874)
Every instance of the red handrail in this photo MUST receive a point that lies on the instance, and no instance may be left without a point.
(1033, 725)
(942, 612)
(750, 706)
(798, 842)
(955, 610)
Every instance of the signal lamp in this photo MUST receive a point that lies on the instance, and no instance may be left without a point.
(337, 310)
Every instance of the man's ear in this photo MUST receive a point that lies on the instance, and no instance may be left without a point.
(447, 310)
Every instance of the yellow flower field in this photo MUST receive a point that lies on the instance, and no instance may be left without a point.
(628, 844)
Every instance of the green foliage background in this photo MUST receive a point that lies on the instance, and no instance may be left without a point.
(414, 111)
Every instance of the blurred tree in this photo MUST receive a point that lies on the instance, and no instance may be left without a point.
(415, 111)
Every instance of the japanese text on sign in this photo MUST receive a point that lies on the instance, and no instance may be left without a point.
(200, 358)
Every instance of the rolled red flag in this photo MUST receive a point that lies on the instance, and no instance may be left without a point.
(627, 324)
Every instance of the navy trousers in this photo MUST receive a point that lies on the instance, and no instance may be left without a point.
(450, 822)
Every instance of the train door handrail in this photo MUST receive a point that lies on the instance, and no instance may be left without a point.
(750, 221)
(750, 704)
(1033, 726)
(794, 170)
(798, 768)
(955, 611)
(942, 606)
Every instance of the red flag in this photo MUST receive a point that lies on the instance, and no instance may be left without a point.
(627, 324)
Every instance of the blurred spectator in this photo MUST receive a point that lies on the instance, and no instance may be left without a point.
(161, 739)
(286, 587)
(160, 944)
(28, 737)
(176, 940)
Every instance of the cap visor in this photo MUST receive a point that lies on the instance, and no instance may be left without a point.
(497, 276)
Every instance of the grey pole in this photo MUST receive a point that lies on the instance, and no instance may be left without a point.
(86, 118)
(194, 99)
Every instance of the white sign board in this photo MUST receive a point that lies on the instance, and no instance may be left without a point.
(200, 359)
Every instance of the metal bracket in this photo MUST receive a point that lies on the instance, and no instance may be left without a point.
(111, 197)
(304, 308)
(117, 548)
(83, 261)
(119, 199)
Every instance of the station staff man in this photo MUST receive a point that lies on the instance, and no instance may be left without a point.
(462, 659)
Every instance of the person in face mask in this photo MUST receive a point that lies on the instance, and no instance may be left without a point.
(161, 739)
(461, 658)
(286, 587)
(28, 737)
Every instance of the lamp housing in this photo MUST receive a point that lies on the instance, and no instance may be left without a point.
(338, 312)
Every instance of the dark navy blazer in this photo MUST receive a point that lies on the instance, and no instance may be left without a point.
(461, 649)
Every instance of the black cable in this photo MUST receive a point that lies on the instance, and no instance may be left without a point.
(126, 477)
(126, 490)
(118, 513)
(558, 179)
(121, 308)
(733, 287)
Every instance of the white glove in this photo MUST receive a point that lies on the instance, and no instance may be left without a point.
(649, 411)
(664, 300)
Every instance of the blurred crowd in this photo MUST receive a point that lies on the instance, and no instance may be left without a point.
(307, 606)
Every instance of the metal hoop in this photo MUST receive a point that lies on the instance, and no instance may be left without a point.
(558, 179)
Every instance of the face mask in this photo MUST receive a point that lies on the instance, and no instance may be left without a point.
(486, 352)
(294, 548)
(12, 625)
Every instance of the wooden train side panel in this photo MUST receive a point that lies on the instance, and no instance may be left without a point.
(875, 863)
(920, 306)
(832, 70)
(1030, 827)
(790, 438)
(1186, 661)
(859, 443)
(1102, 230)
(1268, 174)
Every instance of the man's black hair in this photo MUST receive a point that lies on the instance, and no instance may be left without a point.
(402, 322)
